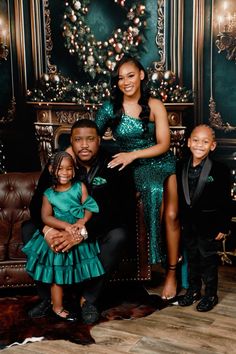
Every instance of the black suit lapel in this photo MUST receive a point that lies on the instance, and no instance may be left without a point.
(202, 180)
(185, 182)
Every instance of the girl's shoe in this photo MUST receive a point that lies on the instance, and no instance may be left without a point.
(69, 317)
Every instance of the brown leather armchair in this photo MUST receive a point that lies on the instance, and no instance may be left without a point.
(16, 190)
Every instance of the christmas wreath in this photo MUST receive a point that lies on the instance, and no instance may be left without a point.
(95, 57)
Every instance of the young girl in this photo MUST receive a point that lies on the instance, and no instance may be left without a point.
(141, 130)
(66, 206)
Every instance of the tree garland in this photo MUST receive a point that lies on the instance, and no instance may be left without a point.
(58, 88)
(99, 58)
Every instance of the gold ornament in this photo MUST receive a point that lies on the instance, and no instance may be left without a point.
(91, 60)
(118, 47)
(77, 5)
(73, 18)
(169, 77)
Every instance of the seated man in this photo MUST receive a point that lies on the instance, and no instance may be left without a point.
(114, 192)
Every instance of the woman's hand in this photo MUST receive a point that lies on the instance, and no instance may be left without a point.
(123, 159)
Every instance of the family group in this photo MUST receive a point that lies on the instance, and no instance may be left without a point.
(81, 208)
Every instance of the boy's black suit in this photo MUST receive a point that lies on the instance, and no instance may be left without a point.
(202, 218)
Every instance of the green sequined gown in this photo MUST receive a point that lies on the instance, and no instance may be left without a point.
(149, 173)
(75, 266)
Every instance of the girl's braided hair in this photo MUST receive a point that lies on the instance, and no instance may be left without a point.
(55, 163)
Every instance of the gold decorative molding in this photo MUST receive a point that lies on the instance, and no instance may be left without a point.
(177, 135)
(71, 117)
(180, 40)
(44, 135)
(48, 38)
(54, 119)
(160, 36)
(216, 120)
(20, 45)
(11, 113)
(173, 36)
(36, 38)
(197, 55)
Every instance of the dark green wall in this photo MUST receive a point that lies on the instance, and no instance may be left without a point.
(105, 16)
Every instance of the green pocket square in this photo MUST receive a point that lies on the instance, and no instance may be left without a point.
(97, 181)
(210, 179)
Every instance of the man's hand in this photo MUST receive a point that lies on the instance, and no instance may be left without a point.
(61, 241)
(67, 241)
(52, 237)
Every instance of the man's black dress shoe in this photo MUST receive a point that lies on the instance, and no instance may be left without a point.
(189, 298)
(207, 303)
(40, 310)
(89, 313)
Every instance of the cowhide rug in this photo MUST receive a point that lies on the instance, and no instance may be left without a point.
(16, 326)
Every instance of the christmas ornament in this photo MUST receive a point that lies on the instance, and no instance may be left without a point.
(58, 88)
(164, 86)
(99, 58)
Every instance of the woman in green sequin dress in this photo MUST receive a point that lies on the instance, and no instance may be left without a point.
(140, 127)
(66, 206)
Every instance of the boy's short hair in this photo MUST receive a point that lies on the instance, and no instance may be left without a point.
(205, 126)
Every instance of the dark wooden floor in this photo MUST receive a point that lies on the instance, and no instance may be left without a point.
(171, 330)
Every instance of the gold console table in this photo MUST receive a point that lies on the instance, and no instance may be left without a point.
(54, 119)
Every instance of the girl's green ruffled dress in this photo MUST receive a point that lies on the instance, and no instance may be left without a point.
(75, 266)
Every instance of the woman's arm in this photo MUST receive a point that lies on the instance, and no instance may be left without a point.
(158, 114)
(104, 114)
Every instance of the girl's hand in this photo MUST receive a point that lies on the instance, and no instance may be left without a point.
(123, 159)
(79, 225)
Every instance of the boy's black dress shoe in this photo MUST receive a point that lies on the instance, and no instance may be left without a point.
(189, 298)
(89, 313)
(40, 310)
(207, 303)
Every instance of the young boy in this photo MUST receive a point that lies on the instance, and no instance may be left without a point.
(205, 212)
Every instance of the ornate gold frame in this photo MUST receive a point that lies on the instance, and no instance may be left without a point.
(51, 68)
(11, 111)
(215, 118)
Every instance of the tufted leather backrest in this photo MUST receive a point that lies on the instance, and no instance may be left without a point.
(16, 190)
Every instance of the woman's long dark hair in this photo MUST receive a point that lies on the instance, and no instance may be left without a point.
(117, 95)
